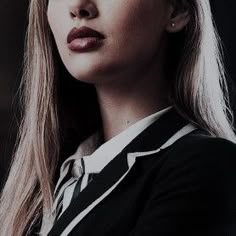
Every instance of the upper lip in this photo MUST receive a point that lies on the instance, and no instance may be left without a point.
(83, 32)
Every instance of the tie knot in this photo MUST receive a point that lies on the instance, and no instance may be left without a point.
(78, 168)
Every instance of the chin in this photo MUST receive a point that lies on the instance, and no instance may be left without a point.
(89, 71)
(83, 72)
(87, 76)
(84, 77)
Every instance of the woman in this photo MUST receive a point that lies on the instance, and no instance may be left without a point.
(145, 114)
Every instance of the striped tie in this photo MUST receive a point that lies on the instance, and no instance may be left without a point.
(79, 176)
(60, 201)
(77, 189)
(76, 169)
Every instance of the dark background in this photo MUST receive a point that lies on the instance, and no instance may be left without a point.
(13, 19)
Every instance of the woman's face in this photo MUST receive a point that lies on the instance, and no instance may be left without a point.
(133, 31)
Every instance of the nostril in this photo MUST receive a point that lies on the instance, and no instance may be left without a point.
(80, 13)
(88, 11)
(83, 13)
(72, 14)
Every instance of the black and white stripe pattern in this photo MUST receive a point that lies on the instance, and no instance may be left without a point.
(143, 145)
(131, 159)
(60, 202)
(68, 182)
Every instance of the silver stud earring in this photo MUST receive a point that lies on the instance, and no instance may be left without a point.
(173, 24)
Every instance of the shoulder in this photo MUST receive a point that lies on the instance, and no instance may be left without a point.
(202, 161)
(194, 185)
(199, 154)
(203, 148)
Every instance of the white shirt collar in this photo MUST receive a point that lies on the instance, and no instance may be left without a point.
(96, 160)
(97, 157)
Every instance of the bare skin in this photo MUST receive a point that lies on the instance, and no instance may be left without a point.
(122, 105)
(127, 71)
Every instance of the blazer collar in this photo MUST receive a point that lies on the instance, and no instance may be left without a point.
(150, 139)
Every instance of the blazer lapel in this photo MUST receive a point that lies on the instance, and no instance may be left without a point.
(150, 139)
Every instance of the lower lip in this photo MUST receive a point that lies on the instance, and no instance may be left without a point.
(84, 44)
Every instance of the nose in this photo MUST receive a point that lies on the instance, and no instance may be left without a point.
(83, 9)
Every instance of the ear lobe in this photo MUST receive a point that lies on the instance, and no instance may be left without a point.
(178, 18)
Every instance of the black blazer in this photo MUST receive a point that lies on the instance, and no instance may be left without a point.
(187, 189)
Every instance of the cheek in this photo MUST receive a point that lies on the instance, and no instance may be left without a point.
(57, 22)
(136, 33)
(139, 19)
(132, 29)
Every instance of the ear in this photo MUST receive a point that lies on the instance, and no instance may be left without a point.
(179, 15)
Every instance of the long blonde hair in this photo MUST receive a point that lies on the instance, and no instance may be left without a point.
(199, 94)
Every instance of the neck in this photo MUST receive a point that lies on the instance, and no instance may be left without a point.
(125, 102)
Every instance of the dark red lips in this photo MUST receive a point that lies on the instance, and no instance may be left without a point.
(83, 32)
